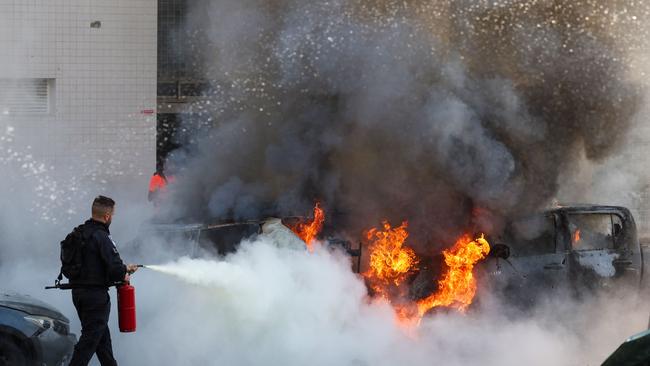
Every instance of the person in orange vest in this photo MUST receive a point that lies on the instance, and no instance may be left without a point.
(158, 185)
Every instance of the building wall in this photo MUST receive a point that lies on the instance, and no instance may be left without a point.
(100, 57)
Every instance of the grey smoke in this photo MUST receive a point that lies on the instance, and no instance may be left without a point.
(327, 145)
(425, 111)
(237, 196)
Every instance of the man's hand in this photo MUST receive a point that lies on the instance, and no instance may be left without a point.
(131, 268)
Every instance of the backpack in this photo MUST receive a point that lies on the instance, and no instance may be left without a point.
(71, 254)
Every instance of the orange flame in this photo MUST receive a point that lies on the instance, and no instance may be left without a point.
(458, 286)
(576, 236)
(310, 230)
(390, 261)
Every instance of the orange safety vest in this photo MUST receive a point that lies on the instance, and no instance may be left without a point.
(157, 182)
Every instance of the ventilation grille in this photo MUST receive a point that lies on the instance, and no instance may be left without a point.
(25, 96)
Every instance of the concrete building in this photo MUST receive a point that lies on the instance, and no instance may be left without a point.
(181, 82)
(78, 85)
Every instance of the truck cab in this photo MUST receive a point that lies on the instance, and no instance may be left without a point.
(575, 249)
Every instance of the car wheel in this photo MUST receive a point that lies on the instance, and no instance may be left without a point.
(11, 354)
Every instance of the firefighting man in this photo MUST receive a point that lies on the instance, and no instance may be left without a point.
(101, 266)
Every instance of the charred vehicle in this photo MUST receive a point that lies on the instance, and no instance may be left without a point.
(577, 249)
(221, 238)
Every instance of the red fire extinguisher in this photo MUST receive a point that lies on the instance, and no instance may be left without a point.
(126, 307)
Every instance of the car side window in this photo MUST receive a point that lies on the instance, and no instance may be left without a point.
(531, 236)
(594, 231)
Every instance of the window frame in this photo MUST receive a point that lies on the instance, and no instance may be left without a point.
(612, 245)
(552, 220)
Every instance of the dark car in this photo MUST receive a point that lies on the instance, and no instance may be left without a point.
(635, 351)
(222, 238)
(578, 249)
(33, 333)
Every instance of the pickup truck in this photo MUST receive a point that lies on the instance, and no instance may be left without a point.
(576, 249)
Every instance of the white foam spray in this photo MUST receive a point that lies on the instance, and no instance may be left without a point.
(268, 304)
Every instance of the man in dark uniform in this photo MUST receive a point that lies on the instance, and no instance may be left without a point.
(101, 267)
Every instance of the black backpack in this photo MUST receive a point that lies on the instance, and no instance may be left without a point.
(71, 254)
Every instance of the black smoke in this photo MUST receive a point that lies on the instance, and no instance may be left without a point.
(450, 114)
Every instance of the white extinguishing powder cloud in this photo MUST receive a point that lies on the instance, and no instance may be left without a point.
(269, 305)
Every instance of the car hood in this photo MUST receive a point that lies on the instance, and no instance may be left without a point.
(30, 306)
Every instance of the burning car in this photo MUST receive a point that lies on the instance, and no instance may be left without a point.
(577, 249)
(33, 333)
(224, 237)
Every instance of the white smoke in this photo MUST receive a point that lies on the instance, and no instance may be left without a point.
(268, 304)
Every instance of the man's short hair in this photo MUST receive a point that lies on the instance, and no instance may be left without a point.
(102, 205)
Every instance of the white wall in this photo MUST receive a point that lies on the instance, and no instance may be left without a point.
(105, 81)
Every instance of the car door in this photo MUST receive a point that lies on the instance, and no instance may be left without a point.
(537, 261)
(541, 254)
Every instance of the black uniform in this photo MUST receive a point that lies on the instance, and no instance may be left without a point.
(101, 267)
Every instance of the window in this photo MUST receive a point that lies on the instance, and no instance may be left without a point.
(595, 231)
(26, 96)
(531, 236)
(168, 90)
